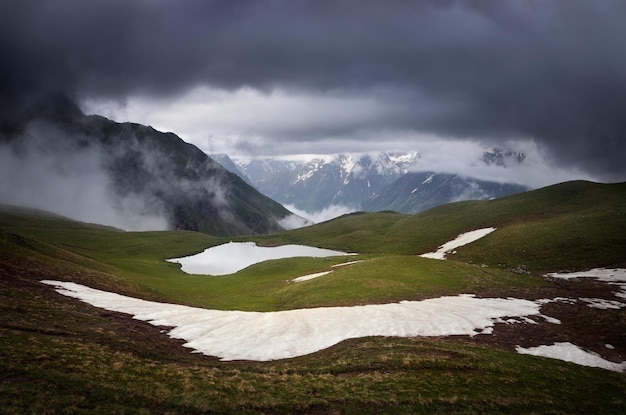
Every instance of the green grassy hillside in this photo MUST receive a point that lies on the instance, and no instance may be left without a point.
(574, 225)
(138, 258)
(59, 355)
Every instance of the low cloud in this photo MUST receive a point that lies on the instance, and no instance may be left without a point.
(273, 77)
(328, 213)
(464, 158)
(48, 173)
(295, 221)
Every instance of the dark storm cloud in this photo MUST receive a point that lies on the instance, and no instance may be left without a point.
(554, 71)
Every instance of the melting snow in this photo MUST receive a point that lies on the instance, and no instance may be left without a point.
(319, 274)
(571, 353)
(428, 179)
(613, 276)
(462, 239)
(347, 263)
(235, 256)
(310, 276)
(603, 304)
(239, 335)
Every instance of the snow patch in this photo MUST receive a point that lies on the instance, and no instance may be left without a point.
(319, 274)
(428, 179)
(402, 158)
(310, 276)
(571, 353)
(347, 263)
(347, 164)
(240, 335)
(462, 239)
(603, 304)
(613, 276)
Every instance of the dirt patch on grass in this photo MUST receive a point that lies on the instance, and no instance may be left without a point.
(596, 330)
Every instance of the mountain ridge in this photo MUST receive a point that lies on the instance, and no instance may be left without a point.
(418, 191)
(128, 169)
(369, 182)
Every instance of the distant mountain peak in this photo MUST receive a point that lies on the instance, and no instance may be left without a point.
(323, 181)
(361, 180)
(501, 157)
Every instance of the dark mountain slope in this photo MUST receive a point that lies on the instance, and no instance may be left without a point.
(229, 165)
(141, 171)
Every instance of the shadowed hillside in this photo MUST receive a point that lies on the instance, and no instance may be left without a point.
(123, 174)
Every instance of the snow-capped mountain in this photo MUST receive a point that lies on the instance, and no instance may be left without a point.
(495, 156)
(371, 182)
(342, 179)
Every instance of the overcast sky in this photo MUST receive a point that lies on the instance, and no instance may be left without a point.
(273, 77)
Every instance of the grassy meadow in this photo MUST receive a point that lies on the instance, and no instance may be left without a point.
(59, 355)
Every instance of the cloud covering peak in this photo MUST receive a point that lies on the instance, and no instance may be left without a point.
(552, 72)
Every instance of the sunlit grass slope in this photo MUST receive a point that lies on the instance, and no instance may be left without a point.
(136, 261)
(573, 225)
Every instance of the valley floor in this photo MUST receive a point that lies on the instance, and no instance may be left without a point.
(60, 355)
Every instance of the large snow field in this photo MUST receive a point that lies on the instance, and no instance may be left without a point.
(234, 256)
(263, 336)
(239, 335)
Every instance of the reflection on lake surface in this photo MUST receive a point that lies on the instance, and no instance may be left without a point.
(235, 256)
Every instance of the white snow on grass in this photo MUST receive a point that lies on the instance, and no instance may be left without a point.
(310, 276)
(571, 353)
(239, 335)
(234, 256)
(603, 304)
(319, 274)
(462, 239)
(599, 303)
(613, 276)
(347, 263)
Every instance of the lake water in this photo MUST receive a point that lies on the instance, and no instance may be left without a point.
(235, 256)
